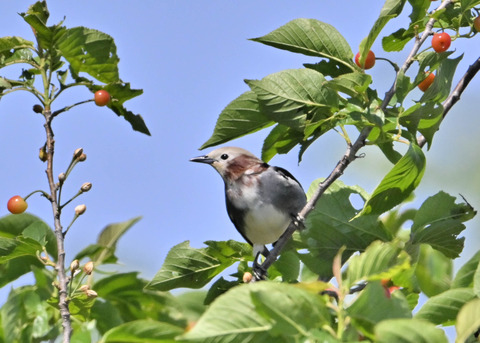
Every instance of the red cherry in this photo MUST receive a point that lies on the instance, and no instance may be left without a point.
(17, 204)
(441, 42)
(476, 24)
(102, 98)
(369, 61)
(427, 81)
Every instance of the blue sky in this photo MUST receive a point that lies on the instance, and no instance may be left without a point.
(190, 58)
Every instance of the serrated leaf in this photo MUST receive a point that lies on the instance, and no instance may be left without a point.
(90, 51)
(373, 306)
(390, 10)
(381, 260)
(15, 244)
(465, 275)
(409, 331)
(468, 320)
(185, 266)
(330, 226)
(444, 307)
(258, 313)
(291, 97)
(399, 182)
(438, 222)
(9, 46)
(312, 38)
(80, 306)
(352, 84)
(142, 331)
(242, 116)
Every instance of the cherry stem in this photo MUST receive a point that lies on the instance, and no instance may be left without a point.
(45, 194)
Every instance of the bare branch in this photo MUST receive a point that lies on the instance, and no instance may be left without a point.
(60, 264)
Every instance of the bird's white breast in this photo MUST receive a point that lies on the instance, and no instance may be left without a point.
(264, 224)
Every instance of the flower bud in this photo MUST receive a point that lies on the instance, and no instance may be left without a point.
(80, 209)
(74, 265)
(61, 177)
(82, 157)
(86, 187)
(77, 153)
(88, 267)
(37, 108)
(91, 293)
(84, 288)
(247, 277)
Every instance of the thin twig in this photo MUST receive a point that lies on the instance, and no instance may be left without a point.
(350, 154)
(60, 264)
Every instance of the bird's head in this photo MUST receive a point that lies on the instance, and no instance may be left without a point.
(231, 162)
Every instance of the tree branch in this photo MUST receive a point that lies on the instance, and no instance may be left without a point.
(60, 264)
(349, 156)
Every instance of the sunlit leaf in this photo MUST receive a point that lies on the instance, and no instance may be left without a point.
(409, 331)
(468, 320)
(142, 331)
(310, 37)
(242, 116)
(444, 307)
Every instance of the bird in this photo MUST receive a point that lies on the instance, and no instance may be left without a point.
(261, 200)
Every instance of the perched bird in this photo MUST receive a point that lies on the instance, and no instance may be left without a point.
(261, 199)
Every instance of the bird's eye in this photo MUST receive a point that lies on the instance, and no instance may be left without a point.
(224, 156)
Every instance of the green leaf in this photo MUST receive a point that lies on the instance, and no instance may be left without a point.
(425, 118)
(443, 308)
(352, 84)
(185, 266)
(390, 10)
(291, 97)
(90, 51)
(468, 320)
(399, 183)
(465, 274)
(31, 228)
(433, 271)
(397, 40)
(440, 88)
(330, 226)
(476, 282)
(374, 306)
(438, 222)
(242, 116)
(312, 38)
(26, 316)
(409, 331)
(11, 45)
(104, 250)
(381, 260)
(142, 331)
(260, 312)
(280, 140)
(80, 306)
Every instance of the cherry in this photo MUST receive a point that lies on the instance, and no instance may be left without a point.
(476, 24)
(17, 204)
(102, 98)
(441, 42)
(425, 84)
(369, 61)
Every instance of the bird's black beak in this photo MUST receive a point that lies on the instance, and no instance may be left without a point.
(202, 159)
